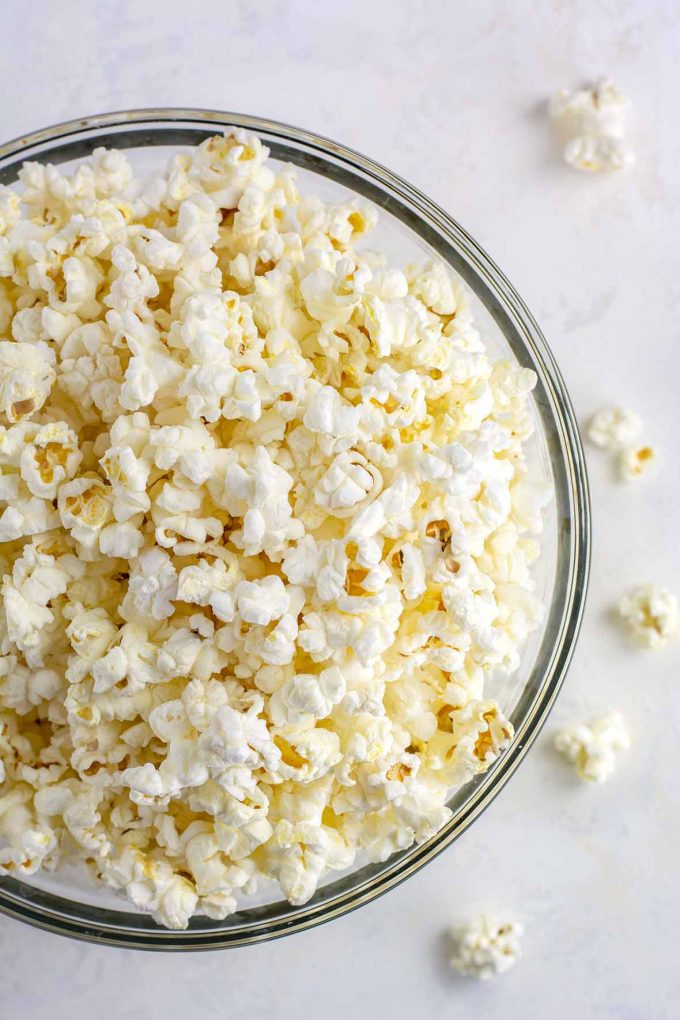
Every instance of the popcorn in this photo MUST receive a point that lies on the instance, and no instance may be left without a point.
(486, 947)
(328, 414)
(91, 372)
(613, 428)
(651, 614)
(350, 481)
(593, 747)
(306, 695)
(591, 121)
(26, 377)
(267, 527)
(616, 429)
(635, 461)
(26, 515)
(152, 587)
(84, 508)
(263, 601)
(51, 458)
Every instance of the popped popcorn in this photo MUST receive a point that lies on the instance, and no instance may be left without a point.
(636, 461)
(651, 614)
(614, 427)
(486, 947)
(593, 747)
(266, 527)
(591, 122)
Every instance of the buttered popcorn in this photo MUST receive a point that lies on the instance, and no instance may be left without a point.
(265, 527)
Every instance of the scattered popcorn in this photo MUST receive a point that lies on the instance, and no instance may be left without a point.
(593, 747)
(486, 947)
(613, 428)
(635, 461)
(266, 525)
(616, 429)
(651, 614)
(591, 123)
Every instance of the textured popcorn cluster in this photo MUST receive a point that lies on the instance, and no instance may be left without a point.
(265, 529)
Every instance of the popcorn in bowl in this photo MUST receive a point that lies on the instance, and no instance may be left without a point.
(267, 527)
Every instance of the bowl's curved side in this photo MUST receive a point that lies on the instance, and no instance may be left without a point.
(138, 128)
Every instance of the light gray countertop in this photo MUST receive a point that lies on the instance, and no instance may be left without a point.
(450, 95)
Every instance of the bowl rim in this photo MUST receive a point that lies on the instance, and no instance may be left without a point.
(100, 925)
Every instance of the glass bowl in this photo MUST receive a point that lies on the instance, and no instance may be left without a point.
(412, 227)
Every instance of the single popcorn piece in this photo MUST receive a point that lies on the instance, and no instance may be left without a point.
(651, 614)
(636, 461)
(591, 122)
(26, 377)
(616, 429)
(613, 428)
(486, 947)
(593, 747)
(267, 525)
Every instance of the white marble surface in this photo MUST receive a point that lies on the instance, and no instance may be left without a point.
(450, 95)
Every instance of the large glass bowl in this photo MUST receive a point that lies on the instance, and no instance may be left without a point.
(412, 227)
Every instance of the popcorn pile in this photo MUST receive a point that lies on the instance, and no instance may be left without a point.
(266, 528)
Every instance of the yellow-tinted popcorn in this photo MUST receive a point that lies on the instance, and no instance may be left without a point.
(266, 521)
(651, 614)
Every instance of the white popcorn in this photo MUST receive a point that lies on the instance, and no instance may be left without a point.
(10, 208)
(329, 414)
(26, 515)
(31, 853)
(651, 614)
(350, 480)
(209, 585)
(51, 458)
(593, 747)
(123, 540)
(109, 670)
(261, 602)
(152, 587)
(266, 526)
(486, 946)
(636, 461)
(84, 507)
(613, 428)
(90, 370)
(306, 695)
(26, 377)
(591, 121)
(617, 429)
